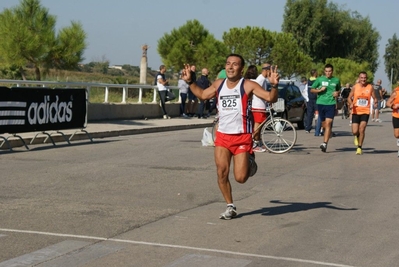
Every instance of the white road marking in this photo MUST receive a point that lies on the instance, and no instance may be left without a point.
(195, 260)
(179, 247)
(44, 254)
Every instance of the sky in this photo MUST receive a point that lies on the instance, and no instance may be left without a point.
(116, 30)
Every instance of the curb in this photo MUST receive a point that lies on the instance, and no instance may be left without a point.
(81, 135)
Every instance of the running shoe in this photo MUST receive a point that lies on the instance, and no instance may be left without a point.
(397, 142)
(229, 214)
(253, 167)
(359, 151)
(259, 149)
(398, 153)
(356, 141)
(323, 147)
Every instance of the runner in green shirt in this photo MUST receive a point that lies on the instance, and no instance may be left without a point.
(327, 88)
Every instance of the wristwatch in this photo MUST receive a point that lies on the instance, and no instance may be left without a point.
(190, 82)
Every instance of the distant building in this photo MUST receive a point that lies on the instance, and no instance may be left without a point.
(118, 67)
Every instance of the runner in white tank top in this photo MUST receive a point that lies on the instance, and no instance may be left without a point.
(234, 109)
(234, 137)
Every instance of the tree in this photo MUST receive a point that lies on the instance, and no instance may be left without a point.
(253, 43)
(324, 30)
(288, 56)
(192, 44)
(67, 49)
(391, 58)
(258, 45)
(348, 70)
(304, 19)
(31, 39)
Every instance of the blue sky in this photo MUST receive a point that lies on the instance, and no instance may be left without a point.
(117, 29)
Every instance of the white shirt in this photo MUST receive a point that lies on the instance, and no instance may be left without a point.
(256, 101)
(183, 86)
(161, 87)
(304, 91)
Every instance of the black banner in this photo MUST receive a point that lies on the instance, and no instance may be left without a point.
(31, 109)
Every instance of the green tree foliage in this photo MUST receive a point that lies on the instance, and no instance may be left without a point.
(31, 39)
(324, 30)
(304, 19)
(258, 45)
(67, 49)
(288, 56)
(253, 43)
(192, 44)
(348, 70)
(391, 58)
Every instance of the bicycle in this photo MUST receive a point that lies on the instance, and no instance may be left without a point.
(278, 135)
(345, 109)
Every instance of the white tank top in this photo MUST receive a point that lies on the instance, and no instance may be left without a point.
(234, 109)
(256, 101)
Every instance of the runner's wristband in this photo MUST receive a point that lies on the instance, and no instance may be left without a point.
(190, 82)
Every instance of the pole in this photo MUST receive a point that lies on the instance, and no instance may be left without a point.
(391, 78)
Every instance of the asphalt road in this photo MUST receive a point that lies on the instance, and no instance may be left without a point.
(152, 200)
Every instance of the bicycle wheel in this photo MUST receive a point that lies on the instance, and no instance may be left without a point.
(278, 135)
(214, 129)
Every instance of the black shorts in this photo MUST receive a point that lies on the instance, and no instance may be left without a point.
(358, 118)
(395, 122)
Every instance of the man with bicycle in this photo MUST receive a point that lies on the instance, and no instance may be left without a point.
(259, 107)
(234, 134)
(344, 95)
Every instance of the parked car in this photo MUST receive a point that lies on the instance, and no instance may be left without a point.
(294, 103)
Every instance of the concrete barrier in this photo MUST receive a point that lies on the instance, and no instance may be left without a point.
(117, 111)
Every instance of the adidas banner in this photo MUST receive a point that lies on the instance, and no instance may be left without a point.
(24, 109)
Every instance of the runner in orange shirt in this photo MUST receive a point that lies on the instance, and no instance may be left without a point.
(360, 106)
(393, 102)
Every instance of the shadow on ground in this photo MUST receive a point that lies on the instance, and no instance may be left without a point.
(290, 207)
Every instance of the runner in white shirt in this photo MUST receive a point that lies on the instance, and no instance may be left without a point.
(234, 135)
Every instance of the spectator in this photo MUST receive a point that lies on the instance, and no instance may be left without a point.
(258, 105)
(346, 91)
(311, 105)
(183, 90)
(204, 83)
(162, 90)
(192, 99)
(344, 95)
(375, 115)
(303, 87)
